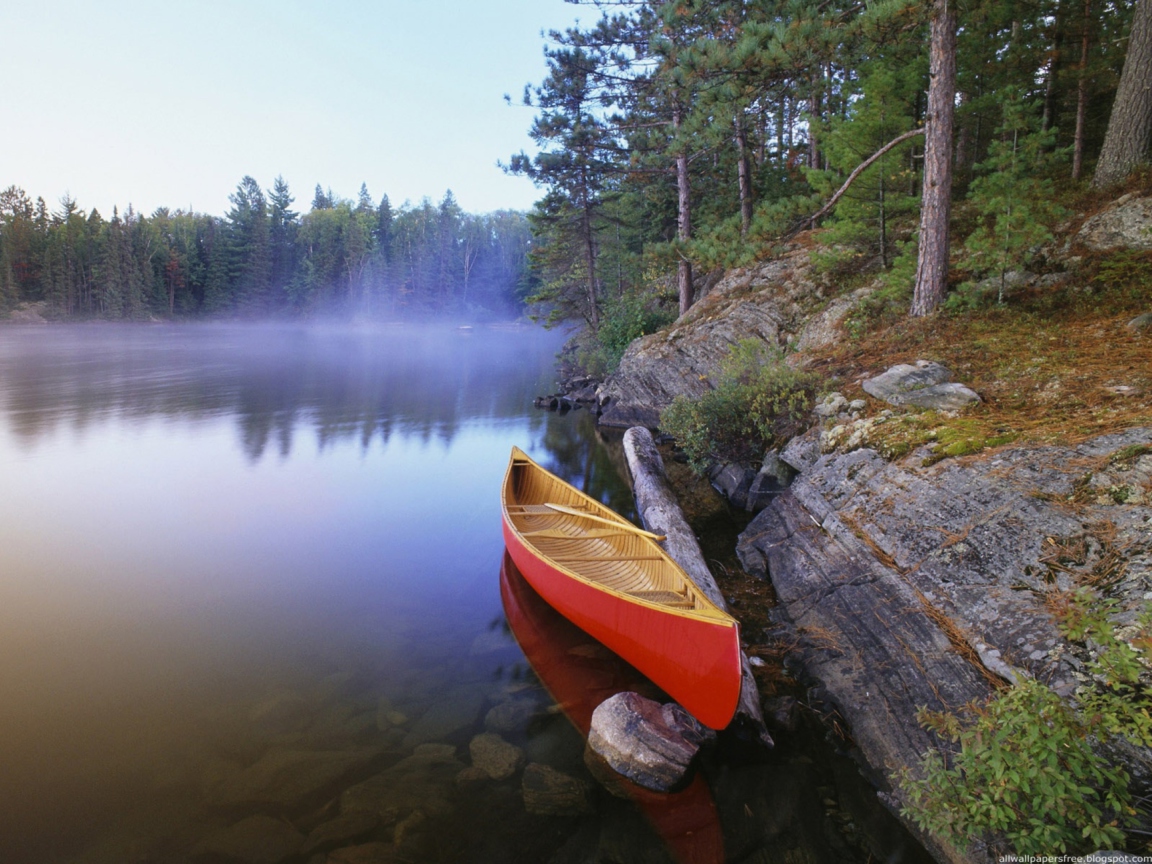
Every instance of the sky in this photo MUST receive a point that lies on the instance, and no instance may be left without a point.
(171, 103)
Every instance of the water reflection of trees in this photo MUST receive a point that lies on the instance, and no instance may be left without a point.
(590, 458)
(422, 382)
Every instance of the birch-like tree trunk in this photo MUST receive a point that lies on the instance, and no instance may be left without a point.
(936, 197)
(683, 221)
(744, 175)
(1082, 93)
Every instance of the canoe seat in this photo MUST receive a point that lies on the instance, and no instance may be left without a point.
(664, 598)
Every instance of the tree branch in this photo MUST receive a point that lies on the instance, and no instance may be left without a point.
(810, 221)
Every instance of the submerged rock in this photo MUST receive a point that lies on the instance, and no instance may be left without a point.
(449, 715)
(255, 840)
(365, 853)
(652, 745)
(291, 781)
(511, 715)
(495, 756)
(548, 792)
(423, 781)
(343, 829)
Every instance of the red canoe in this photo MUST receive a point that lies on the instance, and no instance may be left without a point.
(613, 581)
(579, 674)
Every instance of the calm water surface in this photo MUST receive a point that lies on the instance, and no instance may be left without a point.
(250, 601)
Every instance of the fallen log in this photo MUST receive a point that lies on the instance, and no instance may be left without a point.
(660, 512)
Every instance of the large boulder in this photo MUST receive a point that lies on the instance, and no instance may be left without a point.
(924, 385)
(652, 745)
(1126, 224)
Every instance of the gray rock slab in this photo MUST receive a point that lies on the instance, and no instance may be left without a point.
(924, 385)
(255, 840)
(771, 302)
(859, 549)
(495, 756)
(548, 792)
(1141, 323)
(1127, 224)
(652, 745)
(291, 781)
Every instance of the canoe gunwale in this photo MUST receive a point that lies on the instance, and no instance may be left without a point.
(709, 613)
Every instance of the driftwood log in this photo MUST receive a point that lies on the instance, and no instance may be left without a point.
(660, 512)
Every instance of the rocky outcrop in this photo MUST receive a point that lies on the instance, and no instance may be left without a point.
(1127, 223)
(776, 302)
(913, 586)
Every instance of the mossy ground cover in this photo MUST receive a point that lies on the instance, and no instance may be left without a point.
(1053, 365)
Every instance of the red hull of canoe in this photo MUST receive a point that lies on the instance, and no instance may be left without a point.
(578, 682)
(696, 662)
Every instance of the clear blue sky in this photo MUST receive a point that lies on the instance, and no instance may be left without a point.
(171, 103)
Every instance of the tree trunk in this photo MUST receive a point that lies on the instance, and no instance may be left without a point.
(660, 512)
(590, 259)
(1082, 94)
(683, 221)
(936, 197)
(1130, 126)
(744, 176)
(813, 115)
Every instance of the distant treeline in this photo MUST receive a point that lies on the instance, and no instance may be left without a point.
(263, 258)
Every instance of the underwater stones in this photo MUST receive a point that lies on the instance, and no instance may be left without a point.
(365, 853)
(924, 385)
(343, 829)
(423, 781)
(510, 715)
(289, 781)
(548, 792)
(495, 756)
(651, 744)
(255, 840)
(449, 715)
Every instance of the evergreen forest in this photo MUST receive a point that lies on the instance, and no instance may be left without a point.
(341, 257)
(678, 138)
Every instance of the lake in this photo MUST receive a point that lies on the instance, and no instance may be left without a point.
(251, 610)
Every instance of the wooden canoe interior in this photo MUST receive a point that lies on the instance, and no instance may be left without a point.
(616, 558)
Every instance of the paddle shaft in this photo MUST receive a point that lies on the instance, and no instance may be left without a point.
(624, 526)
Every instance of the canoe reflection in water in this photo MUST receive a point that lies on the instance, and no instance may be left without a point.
(579, 673)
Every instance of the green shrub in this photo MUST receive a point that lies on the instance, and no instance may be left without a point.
(759, 402)
(622, 320)
(1025, 768)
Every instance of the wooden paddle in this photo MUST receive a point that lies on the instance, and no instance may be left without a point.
(623, 526)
